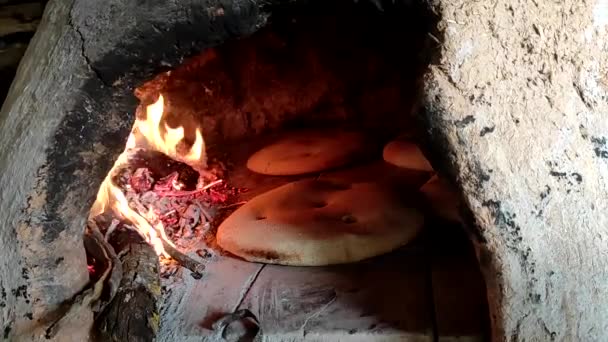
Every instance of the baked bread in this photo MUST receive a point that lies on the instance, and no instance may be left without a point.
(307, 152)
(406, 155)
(319, 222)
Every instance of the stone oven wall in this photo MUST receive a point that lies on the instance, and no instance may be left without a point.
(515, 105)
(320, 64)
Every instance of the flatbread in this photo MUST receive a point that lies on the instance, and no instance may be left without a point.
(443, 199)
(307, 152)
(407, 155)
(319, 222)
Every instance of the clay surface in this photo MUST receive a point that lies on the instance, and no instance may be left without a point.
(517, 108)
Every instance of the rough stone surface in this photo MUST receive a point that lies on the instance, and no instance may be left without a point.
(66, 119)
(516, 106)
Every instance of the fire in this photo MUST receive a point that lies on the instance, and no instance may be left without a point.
(111, 198)
(121, 206)
(167, 143)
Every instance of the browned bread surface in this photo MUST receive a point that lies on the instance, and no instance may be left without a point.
(319, 222)
(306, 152)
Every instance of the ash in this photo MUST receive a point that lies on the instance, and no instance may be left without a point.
(189, 203)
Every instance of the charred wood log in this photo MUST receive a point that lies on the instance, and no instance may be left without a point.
(133, 314)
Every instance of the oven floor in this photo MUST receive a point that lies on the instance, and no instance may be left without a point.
(429, 290)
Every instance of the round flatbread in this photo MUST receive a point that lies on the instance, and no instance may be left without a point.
(407, 155)
(307, 152)
(443, 199)
(319, 222)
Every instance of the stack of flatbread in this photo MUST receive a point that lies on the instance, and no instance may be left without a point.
(324, 220)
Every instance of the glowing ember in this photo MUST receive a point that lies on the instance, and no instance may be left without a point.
(110, 197)
(151, 234)
(167, 143)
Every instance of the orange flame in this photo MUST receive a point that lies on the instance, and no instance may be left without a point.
(168, 143)
(149, 233)
(111, 198)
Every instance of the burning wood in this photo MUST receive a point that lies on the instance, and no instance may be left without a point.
(164, 202)
(158, 199)
(169, 197)
(133, 313)
(163, 208)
